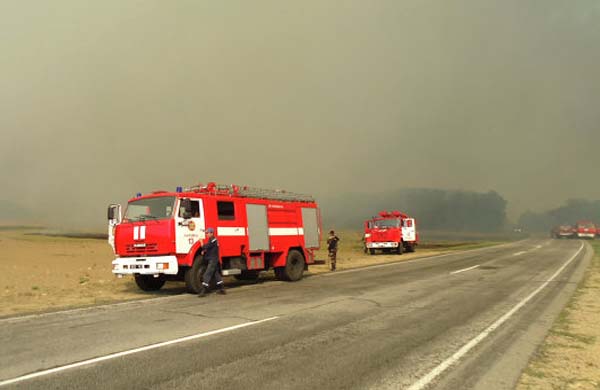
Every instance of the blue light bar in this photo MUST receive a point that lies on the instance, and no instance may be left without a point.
(138, 194)
(179, 189)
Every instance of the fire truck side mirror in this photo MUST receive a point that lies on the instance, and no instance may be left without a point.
(114, 213)
(186, 204)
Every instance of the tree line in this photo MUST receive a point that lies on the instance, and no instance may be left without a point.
(569, 213)
(435, 209)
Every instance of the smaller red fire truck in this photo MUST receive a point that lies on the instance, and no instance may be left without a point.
(585, 229)
(391, 231)
(160, 235)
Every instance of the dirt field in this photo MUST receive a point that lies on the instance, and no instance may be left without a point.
(39, 273)
(42, 273)
(570, 356)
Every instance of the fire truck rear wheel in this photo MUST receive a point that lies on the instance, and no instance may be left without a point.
(294, 267)
(371, 251)
(149, 282)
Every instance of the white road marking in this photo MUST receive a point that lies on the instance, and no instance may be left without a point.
(464, 269)
(87, 308)
(400, 262)
(347, 271)
(519, 253)
(132, 351)
(426, 380)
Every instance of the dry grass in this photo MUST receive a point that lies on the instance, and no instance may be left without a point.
(569, 358)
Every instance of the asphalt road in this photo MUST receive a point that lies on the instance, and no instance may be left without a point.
(468, 320)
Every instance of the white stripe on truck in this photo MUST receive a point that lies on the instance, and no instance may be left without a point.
(231, 231)
(241, 231)
(285, 231)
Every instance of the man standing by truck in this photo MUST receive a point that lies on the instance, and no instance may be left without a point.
(332, 245)
(210, 250)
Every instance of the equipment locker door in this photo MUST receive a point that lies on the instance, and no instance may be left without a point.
(258, 229)
(310, 222)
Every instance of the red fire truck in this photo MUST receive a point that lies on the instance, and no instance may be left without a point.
(391, 231)
(585, 229)
(159, 237)
(563, 231)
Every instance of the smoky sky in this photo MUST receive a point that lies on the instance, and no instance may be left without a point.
(100, 100)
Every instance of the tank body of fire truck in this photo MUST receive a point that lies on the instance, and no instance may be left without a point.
(160, 236)
(391, 232)
(585, 229)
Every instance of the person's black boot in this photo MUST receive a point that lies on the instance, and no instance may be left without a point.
(203, 292)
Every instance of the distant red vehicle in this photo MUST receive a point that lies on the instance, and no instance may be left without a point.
(391, 232)
(585, 229)
(563, 231)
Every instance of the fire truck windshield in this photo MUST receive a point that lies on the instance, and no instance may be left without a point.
(150, 208)
(386, 223)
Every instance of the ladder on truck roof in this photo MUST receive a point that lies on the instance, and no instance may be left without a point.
(250, 192)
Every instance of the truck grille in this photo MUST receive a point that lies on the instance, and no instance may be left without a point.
(380, 236)
(137, 248)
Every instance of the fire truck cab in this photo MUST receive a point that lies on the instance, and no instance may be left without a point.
(160, 234)
(585, 229)
(391, 231)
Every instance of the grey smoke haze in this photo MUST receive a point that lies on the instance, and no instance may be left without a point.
(99, 100)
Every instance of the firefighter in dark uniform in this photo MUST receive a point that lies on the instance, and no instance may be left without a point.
(332, 245)
(210, 251)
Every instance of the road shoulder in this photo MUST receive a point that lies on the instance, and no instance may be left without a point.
(569, 355)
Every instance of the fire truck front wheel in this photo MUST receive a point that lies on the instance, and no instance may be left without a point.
(149, 282)
(193, 276)
(294, 267)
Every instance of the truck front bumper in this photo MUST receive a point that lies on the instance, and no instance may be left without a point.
(151, 265)
(380, 245)
(586, 235)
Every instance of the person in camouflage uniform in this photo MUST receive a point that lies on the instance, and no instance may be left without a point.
(332, 246)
